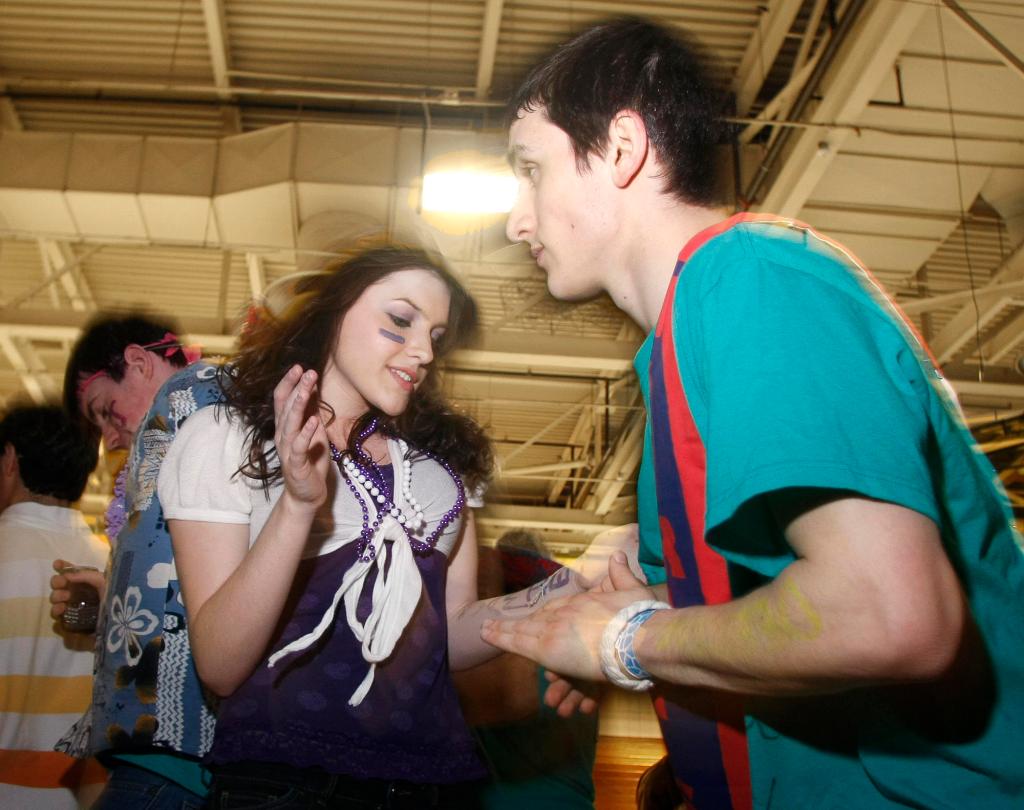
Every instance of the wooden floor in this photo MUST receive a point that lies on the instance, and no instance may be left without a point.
(620, 761)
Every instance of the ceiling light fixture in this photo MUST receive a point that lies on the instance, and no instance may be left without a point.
(469, 192)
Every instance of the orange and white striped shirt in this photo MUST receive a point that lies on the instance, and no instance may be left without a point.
(45, 674)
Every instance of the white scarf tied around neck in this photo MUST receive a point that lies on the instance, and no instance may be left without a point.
(396, 590)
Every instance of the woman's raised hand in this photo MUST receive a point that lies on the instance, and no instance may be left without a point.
(301, 440)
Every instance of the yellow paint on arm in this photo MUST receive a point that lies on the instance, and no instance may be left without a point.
(725, 645)
(777, 615)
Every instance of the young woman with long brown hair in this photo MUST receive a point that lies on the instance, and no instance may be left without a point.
(319, 519)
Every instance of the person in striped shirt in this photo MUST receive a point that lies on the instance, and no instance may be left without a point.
(45, 671)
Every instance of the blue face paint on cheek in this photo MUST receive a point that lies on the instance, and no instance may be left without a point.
(392, 336)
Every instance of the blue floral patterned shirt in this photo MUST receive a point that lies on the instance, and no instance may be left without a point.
(146, 694)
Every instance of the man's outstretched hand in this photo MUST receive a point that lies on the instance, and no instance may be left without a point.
(565, 635)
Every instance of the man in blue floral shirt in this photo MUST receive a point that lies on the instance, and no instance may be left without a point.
(150, 723)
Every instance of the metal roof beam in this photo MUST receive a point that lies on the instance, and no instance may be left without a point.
(488, 47)
(216, 41)
(21, 357)
(215, 20)
(961, 327)
(504, 516)
(1005, 340)
(547, 353)
(772, 27)
(69, 265)
(876, 39)
(1009, 392)
(580, 436)
(64, 325)
(50, 274)
(61, 263)
(257, 275)
(778, 107)
(443, 98)
(536, 437)
(807, 40)
(1011, 60)
(9, 118)
(572, 356)
(620, 466)
(988, 293)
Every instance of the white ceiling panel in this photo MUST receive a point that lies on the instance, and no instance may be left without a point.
(865, 180)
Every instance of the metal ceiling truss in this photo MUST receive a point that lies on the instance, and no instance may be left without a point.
(850, 76)
(773, 26)
(581, 436)
(61, 265)
(215, 22)
(488, 47)
(29, 368)
(1010, 59)
(618, 468)
(9, 118)
(982, 307)
(566, 531)
(778, 108)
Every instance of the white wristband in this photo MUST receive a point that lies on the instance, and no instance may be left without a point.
(610, 664)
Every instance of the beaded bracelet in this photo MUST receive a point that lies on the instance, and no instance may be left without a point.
(618, 659)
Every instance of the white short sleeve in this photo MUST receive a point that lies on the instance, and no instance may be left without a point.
(198, 479)
(475, 496)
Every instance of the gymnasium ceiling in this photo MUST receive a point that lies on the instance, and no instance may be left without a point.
(182, 156)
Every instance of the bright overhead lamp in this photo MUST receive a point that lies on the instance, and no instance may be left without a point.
(469, 192)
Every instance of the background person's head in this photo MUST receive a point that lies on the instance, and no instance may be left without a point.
(633, 64)
(44, 454)
(524, 558)
(115, 370)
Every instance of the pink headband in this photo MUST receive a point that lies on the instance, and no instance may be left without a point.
(84, 384)
(191, 352)
(169, 340)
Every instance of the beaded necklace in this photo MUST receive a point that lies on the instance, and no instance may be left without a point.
(362, 469)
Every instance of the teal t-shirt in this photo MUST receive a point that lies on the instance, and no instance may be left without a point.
(186, 771)
(799, 374)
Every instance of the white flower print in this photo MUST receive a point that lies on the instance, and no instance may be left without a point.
(129, 624)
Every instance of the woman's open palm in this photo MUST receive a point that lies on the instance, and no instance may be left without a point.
(301, 440)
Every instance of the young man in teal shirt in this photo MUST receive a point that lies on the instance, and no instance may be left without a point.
(847, 590)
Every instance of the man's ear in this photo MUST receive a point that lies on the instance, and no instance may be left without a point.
(9, 460)
(138, 359)
(627, 146)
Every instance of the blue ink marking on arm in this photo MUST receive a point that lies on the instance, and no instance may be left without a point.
(532, 596)
(392, 336)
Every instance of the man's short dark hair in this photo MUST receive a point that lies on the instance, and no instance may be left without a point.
(633, 64)
(101, 348)
(55, 455)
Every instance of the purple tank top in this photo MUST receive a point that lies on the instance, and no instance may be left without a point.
(409, 726)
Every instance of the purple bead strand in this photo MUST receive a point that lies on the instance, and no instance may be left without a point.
(376, 477)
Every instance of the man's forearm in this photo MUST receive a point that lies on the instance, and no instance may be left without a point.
(783, 638)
